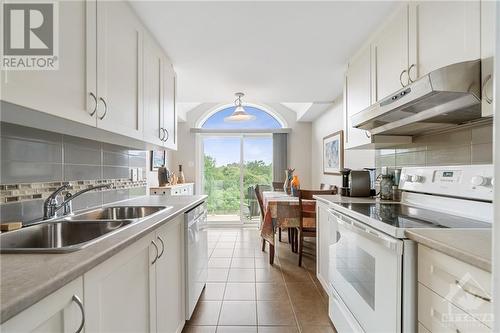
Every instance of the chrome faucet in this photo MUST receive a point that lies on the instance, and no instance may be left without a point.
(51, 205)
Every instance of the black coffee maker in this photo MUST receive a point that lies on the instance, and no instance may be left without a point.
(344, 190)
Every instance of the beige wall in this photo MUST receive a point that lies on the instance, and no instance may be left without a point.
(299, 142)
(331, 121)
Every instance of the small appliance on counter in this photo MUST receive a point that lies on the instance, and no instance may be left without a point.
(163, 176)
(355, 183)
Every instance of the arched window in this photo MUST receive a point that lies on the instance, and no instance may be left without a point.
(263, 120)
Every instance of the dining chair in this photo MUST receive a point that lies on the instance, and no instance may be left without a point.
(307, 213)
(278, 186)
(322, 186)
(258, 194)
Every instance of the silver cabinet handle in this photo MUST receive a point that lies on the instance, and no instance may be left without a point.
(156, 248)
(409, 73)
(95, 104)
(167, 135)
(368, 135)
(105, 108)
(162, 131)
(162, 246)
(465, 290)
(401, 78)
(78, 302)
(488, 99)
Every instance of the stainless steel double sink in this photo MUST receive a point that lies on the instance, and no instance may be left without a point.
(72, 233)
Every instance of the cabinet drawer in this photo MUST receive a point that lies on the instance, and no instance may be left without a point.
(463, 285)
(439, 315)
(422, 329)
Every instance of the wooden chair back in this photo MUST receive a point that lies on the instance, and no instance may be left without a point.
(278, 186)
(258, 193)
(308, 211)
(322, 186)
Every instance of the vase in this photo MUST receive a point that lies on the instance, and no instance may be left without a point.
(181, 179)
(386, 184)
(288, 180)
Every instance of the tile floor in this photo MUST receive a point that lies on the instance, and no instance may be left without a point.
(245, 294)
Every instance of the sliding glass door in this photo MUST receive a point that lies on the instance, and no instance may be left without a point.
(232, 166)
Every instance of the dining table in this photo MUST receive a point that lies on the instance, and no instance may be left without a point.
(281, 210)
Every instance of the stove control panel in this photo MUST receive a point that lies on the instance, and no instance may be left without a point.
(465, 181)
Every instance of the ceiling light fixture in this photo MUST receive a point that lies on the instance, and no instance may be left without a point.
(239, 114)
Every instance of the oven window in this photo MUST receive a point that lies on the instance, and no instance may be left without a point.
(357, 267)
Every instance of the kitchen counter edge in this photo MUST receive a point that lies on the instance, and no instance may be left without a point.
(472, 246)
(28, 278)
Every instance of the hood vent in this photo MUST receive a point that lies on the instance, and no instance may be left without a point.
(443, 98)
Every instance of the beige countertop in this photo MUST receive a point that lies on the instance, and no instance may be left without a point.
(472, 246)
(27, 278)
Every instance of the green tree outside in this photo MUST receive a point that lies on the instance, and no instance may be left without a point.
(222, 184)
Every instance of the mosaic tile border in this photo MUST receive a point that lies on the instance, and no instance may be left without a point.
(10, 193)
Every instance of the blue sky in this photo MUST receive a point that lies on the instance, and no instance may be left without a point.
(262, 120)
(227, 150)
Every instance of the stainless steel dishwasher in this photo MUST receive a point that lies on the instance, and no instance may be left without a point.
(196, 247)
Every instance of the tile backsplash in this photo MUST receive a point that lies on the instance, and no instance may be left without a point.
(465, 146)
(32, 160)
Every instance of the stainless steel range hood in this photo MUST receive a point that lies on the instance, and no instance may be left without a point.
(445, 97)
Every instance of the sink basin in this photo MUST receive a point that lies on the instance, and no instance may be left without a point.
(58, 236)
(117, 213)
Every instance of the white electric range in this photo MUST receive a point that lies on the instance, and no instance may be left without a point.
(373, 266)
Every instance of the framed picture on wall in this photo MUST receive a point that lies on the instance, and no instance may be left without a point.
(158, 159)
(333, 153)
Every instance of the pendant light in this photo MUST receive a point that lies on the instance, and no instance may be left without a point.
(239, 114)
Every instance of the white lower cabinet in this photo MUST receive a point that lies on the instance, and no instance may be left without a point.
(141, 288)
(323, 242)
(453, 296)
(60, 312)
(170, 278)
(119, 293)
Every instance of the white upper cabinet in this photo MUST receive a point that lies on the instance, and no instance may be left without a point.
(169, 110)
(390, 55)
(488, 28)
(357, 96)
(153, 103)
(111, 75)
(442, 33)
(61, 92)
(119, 63)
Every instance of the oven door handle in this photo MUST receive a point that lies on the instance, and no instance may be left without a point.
(390, 243)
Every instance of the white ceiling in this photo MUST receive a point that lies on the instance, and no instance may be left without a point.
(285, 51)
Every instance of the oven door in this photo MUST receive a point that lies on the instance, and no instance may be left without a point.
(366, 273)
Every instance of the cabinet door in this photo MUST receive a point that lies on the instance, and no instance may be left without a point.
(56, 313)
(61, 92)
(119, 61)
(120, 292)
(170, 277)
(488, 26)
(169, 110)
(322, 246)
(438, 40)
(357, 96)
(153, 104)
(390, 55)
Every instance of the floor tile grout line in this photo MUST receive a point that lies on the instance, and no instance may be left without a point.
(288, 293)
